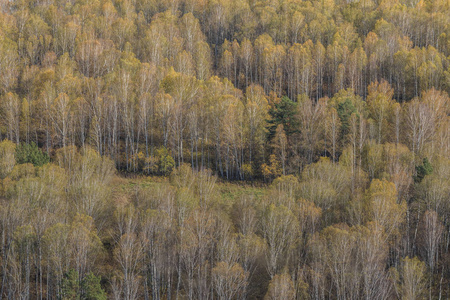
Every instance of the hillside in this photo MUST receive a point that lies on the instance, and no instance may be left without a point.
(230, 149)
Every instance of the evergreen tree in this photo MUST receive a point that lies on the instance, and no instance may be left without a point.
(70, 286)
(423, 170)
(92, 289)
(283, 112)
(30, 153)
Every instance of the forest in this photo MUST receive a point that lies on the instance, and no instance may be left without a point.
(224, 149)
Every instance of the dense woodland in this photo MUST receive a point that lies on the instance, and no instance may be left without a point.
(225, 149)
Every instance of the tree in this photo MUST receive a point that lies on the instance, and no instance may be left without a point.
(202, 59)
(346, 103)
(57, 251)
(380, 104)
(70, 285)
(7, 157)
(196, 240)
(272, 169)
(352, 261)
(88, 289)
(20, 260)
(410, 278)
(92, 290)
(158, 236)
(9, 64)
(338, 244)
(30, 153)
(184, 91)
(165, 162)
(88, 183)
(278, 226)
(332, 131)
(96, 57)
(251, 249)
(61, 118)
(233, 137)
(423, 170)
(84, 244)
(432, 190)
(431, 230)
(310, 116)
(280, 146)
(229, 281)
(281, 287)
(256, 110)
(373, 250)
(11, 113)
(128, 253)
(326, 185)
(423, 116)
(300, 70)
(283, 112)
(383, 207)
(246, 59)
